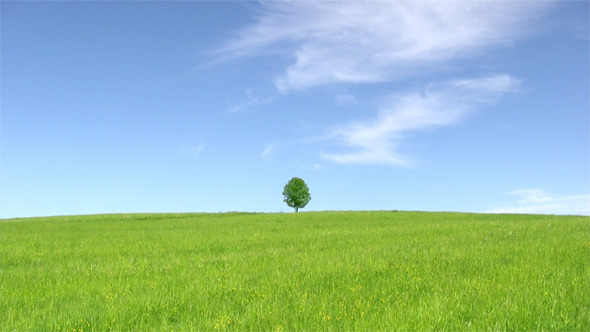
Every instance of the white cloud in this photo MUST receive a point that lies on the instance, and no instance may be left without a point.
(531, 196)
(344, 99)
(251, 100)
(377, 41)
(536, 201)
(377, 141)
(192, 149)
(335, 42)
(268, 149)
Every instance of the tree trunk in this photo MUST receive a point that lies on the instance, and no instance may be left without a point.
(296, 209)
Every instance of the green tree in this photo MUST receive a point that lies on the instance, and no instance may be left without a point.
(296, 193)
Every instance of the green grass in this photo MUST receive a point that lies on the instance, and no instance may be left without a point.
(325, 271)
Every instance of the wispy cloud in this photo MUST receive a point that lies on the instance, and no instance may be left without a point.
(536, 201)
(377, 141)
(269, 149)
(356, 42)
(344, 99)
(251, 100)
(377, 41)
(193, 149)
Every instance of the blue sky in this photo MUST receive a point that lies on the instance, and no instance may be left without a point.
(209, 106)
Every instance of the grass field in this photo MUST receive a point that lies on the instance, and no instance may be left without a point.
(324, 271)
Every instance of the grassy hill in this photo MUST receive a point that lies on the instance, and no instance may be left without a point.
(336, 271)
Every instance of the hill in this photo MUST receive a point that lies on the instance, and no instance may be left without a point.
(306, 271)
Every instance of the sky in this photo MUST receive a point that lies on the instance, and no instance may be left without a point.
(213, 106)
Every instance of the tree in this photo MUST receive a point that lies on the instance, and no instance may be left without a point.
(296, 193)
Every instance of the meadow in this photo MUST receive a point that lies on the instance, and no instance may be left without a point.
(314, 271)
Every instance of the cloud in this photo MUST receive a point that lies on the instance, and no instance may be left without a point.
(536, 201)
(344, 99)
(371, 42)
(269, 149)
(377, 41)
(194, 149)
(251, 100)
(443, 104)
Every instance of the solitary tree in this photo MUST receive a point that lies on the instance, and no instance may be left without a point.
(296, 193)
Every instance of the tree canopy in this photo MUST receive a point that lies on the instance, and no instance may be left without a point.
(296, 193)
